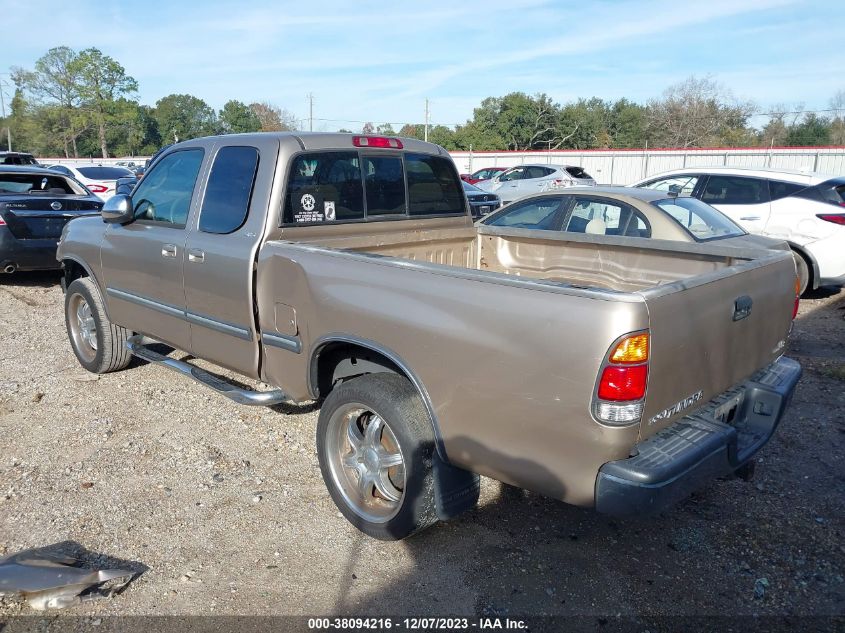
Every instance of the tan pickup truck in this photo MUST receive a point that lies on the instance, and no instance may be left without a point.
(614, 372)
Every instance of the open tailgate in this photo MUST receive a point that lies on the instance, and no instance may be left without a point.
(704, 338)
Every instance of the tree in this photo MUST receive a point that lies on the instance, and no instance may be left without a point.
(101, 80)
(368, 128)
(695, 113)
(237, 117)
(273, 118)
(181, 117)
(56, 81)
(385, 129)
(811, 132)
(837, 122)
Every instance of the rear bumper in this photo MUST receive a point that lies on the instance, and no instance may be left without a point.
(27, 254)
(698, 448)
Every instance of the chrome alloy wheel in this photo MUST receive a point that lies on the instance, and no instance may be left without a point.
(366, 462)
(83, 326)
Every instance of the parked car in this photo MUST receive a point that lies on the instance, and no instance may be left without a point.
(347, 269)
(805, 209)
(524, 180)
(17, 158)
(100, 179)
(626, 212)
(35, 205)
(482, 174)
(480, 202)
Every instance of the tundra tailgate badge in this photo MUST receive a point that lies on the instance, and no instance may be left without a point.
(686, 403)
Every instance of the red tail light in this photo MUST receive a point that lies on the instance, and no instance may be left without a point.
(377, 141)
(2, 221)
(836, 218)
(98, 188)
(620, 384)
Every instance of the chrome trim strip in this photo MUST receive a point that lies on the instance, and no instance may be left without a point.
(290, 343)
(147, 303)
(220, 326)
(191, 317)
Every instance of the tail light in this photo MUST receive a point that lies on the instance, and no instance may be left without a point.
(2, 221)
(97, 188)
(836, 218)
(797, 298)
(623, 380)
(377, 141)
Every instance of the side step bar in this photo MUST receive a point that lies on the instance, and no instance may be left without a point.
(242, 396)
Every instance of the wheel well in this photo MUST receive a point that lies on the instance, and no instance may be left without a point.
(340, 361)
(812, 265)
(73, 270)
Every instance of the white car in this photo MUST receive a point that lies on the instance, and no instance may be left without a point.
(100, 179)
(524, 180)
(805, 209)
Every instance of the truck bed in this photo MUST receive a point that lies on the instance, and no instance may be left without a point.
(617, 264)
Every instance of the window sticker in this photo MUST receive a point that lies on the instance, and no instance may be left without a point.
(328, 208)
(307, 210)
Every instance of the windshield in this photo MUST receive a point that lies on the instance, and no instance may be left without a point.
(699, 219)
(38, 184)
(471, 188)
(104, 173)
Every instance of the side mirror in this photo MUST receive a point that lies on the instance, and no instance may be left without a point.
(118, 209)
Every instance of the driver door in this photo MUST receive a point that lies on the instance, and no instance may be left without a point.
(143, 261)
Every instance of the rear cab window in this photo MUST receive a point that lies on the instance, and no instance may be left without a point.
(700, 220)
(351, 186)
(229, 190)
(600, 216)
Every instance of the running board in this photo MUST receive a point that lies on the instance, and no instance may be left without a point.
(242, 396)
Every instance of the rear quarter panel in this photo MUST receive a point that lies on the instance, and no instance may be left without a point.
(509, 367)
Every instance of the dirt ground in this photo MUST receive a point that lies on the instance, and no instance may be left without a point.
(223, 509)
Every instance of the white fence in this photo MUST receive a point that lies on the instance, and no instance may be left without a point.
(621, 167)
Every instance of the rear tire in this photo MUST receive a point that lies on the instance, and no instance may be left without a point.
(802, 269)
(99, 345)
(375, 445)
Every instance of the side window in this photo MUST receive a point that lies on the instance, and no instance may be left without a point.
(779, 189)
(229, 190)
(598, 216)
(385, 185)
(735, 190)
(324, 186)
(164, 195)
(513, 174)
(537, 172)
(539, 213)
(682, 185)
(433, 188)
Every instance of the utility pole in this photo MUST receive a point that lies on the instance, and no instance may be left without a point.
(426, 118)
(310, 111)
(3, 112)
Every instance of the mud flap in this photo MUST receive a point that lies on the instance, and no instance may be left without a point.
(455, 489)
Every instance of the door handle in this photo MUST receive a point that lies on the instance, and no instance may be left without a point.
(196, 255)
(750, 217)
(168, 250)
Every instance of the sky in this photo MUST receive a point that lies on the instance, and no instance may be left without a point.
(380, 61)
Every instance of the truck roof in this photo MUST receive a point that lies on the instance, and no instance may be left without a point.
(333, 140)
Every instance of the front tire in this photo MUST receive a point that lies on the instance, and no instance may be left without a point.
(99, 345)
(375, 445)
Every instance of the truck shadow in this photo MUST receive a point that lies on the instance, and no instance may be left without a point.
(32, 279)
(521, 554)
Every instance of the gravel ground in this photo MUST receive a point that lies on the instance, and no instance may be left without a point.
(223, 509)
